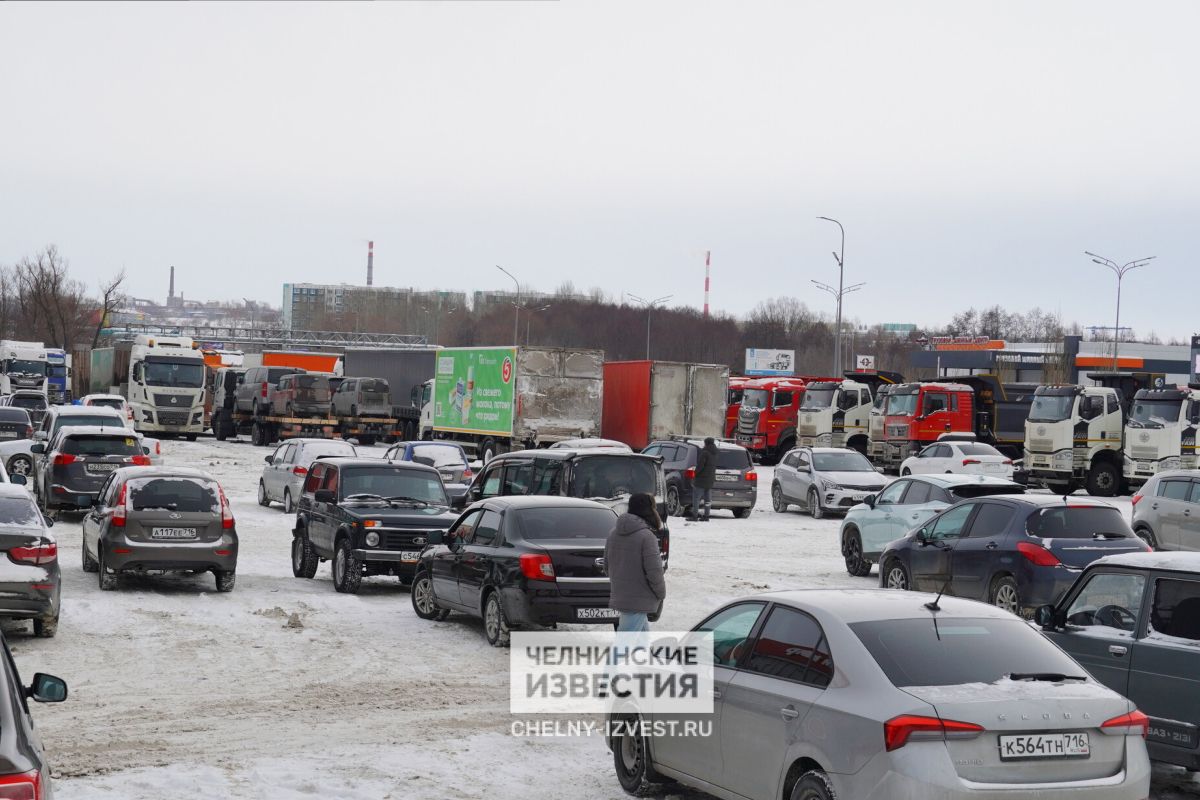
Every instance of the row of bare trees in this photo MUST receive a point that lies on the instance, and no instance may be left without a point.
(41, 302)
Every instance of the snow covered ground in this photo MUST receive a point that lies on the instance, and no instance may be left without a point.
(177, 691)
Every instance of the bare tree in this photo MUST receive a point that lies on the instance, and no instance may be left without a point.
(111, 297)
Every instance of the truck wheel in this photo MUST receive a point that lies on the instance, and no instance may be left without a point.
(218, 427)
(347, 571)
(860, 444)
(1103, 480)
(488, 451)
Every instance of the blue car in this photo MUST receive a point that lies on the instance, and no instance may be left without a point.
(1016, 552)
(449, 459)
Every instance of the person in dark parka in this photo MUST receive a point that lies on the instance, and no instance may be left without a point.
(637, 586)
(702, 484)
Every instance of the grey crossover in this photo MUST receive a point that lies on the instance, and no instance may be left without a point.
(1166, 511)
(736, 486)
(869, 695)
(160, 519)
(824, 479)
(78, 460)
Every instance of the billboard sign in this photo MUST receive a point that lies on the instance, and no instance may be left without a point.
(473, 390)
(770, 362)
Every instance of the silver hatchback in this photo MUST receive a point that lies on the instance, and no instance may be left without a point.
(1166, 511)
(867, 695)
(283, 477)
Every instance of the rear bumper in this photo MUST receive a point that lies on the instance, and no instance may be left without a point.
(723, 498)
(1039, 586)
(71, 497)
(22, 601)
(549, 606)
(125, 555)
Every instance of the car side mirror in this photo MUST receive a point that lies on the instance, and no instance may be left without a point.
(869, 500)
(459, 503)
(436, 537)
(39, 436)
(922, 537)
(38, 448)
(49, 521)
(325, 496)
(47, 689)
(17, 480)
(269, 459)
(879, 470)
(1046, 617)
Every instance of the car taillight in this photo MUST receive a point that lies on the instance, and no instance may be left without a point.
(969, 461)
(226, 513)
(300, 471)
(752, 476)
(140, 461)
(1037, 554)
(264, 389)
(1008, 462)
(119, 509)
(46, 553)
(1128, 724)
(28, 431)
(23, 786)
(690, 473)
(537, 567)
(898, 731)
(157, 448)
(62, 459)
(468, 474)
(1137, 498)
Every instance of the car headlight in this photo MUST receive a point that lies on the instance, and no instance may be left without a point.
(830, 486)
(372, 539)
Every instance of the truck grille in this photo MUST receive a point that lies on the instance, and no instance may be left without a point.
(403, 540)
(172, 417)
(748, 427)
(180, 401)
(897, 431)
(1041, 445)
(808, 430)
(1143, 454)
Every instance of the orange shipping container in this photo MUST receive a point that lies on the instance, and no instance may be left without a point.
(312, 362)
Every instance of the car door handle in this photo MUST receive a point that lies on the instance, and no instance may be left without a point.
(1118, 650)
(992, 545)
(915, 516)
(789, 712)
(716, 694)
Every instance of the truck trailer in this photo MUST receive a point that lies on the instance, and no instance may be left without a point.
(648, 400)
(407, 373)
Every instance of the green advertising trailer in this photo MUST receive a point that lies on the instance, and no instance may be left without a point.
(504, 398)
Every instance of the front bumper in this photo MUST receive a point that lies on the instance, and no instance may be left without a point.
(843, 499)
(401, 563)
(170, 420)
(123, 554)
(755, 442)
(892, 454)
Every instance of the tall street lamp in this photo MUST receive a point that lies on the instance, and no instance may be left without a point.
(529, 312)
(841, 291)
(1120, 273)
(516, 307)
(650, 306)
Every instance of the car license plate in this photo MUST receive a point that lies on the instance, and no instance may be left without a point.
(1144, 466)
(727, 477)
(8, 434)
(1044, 745)
(100, 467)
(597, 613)
(172, 533)
(410, 555)
(858, 498)
(994, 467)
(1177, 734)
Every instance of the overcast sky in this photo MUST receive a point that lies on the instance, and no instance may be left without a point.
(973, 150)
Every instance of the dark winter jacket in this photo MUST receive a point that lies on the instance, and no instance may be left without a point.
(706, 467)
(634, 567)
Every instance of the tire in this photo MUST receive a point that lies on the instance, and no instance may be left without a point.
(304, 560)
(741, 513)
(45, 628)
(288, 506)
(218, 426)
(814, 505)
(1005, 594)
(856, 564)
(813, 785)
(630, 760)
(487, 451)
(191, 437)
(1147, 536)
(1103, 480)
(263, 500)
(778, 501)
(859, 444)
(422, 599)
(347, 572)
(108, 580)
(904, 473)
(495, 625)
(21, 465)
(1062, 489)
(89, 563)
(674, 509)
(226, 579)
(897, 577)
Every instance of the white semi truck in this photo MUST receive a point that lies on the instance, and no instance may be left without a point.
(1160, 433)
(835, 414)
(162, 377)
(23, 365)
(1073, 439)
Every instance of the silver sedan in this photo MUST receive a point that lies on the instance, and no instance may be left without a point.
(864, 695)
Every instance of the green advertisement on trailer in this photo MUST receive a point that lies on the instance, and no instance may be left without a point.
(473, 390)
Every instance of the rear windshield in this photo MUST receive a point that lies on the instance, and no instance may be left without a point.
(438, 455)
(391, 483)
(27, 401)
(951, 652)
(275, 373)
(19, 511)
(107, 403)
(312, 382)
(14, 415)
(330, 448)
(1077, 522)
(978, 450)
(566, 523)
(100, 446)
(985, 489)
(732, 459)
(848, 461)
(189, 495)
(608, 477)
(373, 386)
(82, 420)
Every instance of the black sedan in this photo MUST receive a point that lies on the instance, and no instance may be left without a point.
(1016, 552)
(519, 562)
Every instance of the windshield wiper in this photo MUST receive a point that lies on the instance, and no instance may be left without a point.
(403, 499)
(1109, 535)
(364, 496)
(1049, 677)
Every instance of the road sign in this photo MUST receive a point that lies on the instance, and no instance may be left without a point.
(864, 363)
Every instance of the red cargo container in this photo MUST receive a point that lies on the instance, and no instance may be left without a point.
(647, 400)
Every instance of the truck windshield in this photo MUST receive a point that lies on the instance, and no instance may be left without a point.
(877, 406)
(1051, 408)
(16, 365)
(756, 398)
(901, 405)
(178, 374)
(735, 396)
(816, 399)
(841, 462)
(607, 477)
(1154, 413)
(58, 371)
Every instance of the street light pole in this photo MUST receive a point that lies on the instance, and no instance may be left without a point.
(1120, 273)
(841, 292)
(529, 312)
(516, 307)
(650, 306)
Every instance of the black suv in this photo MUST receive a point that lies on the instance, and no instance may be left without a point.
(736, 487)
(369, 516)
(605, 475)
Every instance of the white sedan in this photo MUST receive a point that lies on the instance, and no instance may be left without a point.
(959, 458)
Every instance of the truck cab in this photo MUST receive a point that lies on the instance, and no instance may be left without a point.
(166, 385)
(58, 376)
(1160, 433)
(733, 404)
(835, 414)
(768, 416)
(23, 365)
(916, 414)
(1073, 438)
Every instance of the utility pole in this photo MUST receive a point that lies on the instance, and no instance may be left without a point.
(529, 312)
(650, 305)
(1120, 273)
(516, 307)
(841, 291)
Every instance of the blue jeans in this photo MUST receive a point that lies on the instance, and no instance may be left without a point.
(633, 622)
(701, 501)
